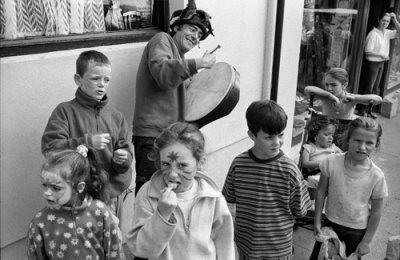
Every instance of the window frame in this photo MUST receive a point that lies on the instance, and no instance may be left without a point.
(42, 44)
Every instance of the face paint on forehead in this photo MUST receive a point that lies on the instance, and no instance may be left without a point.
(173, 156)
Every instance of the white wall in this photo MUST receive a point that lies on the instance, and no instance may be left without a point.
(289, 60)
(32, 85)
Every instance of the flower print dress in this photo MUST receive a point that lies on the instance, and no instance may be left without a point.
(87, 232)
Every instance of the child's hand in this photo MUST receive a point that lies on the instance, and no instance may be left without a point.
(317, 230)
(120, 156)
(363, 249)
(348, 99)
(334, 99)
(100, 141)
(167, 203)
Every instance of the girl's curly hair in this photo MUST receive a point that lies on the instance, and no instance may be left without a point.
(316, 124)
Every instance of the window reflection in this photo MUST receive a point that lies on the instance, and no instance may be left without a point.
(394, 71)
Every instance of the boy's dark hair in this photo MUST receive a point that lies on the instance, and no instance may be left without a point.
(266, 115)
(318, 123)
(72, 166)
(90, 56)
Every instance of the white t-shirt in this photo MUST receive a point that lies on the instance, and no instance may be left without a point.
(350, 193)
(378, 42)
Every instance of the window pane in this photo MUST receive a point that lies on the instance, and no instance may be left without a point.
(35, 26)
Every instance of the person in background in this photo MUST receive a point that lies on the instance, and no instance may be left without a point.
(76, 222)
(160, 82)
(266, 187)
(180, 213)
(89, 120)
(351, 189)
(376, 53)
(336, 101)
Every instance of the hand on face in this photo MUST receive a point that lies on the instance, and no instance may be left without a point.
(167, 202)
(100, 141)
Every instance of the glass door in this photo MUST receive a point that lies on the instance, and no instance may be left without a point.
(328, 40)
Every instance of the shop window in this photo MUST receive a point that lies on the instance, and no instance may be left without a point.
(394, 68)
(327, 41)
(35, 26)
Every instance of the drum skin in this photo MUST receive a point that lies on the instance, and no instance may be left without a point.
(212, 93)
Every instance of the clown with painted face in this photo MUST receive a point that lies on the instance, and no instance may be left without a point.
(162, 80)
(180, 213)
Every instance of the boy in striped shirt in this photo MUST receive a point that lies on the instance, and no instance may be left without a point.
(267, 188)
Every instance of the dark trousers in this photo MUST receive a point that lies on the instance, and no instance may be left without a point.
(371, 75)
(144, 166)
(350, 236)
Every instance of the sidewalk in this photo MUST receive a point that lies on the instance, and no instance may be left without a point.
(388, 159)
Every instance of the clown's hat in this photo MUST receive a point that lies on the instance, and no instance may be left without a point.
(190, 15)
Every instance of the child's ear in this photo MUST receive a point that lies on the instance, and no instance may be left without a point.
(80, 187)
(202, 163)
(77, 79)
(251, 135)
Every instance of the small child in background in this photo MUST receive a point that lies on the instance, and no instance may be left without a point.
(353, 188)
(76, 223)
(267, 188)
(321, 130)
(180, 213)
(89, 120)
(336, 101)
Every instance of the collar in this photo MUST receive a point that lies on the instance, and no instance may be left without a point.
(87, 101)
(258, 160)
(85, 204)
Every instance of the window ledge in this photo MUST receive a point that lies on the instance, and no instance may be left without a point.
(32, 45)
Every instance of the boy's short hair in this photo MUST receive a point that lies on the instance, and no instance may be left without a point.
(90, 56)
(266, 115)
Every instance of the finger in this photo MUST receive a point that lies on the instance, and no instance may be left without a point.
(106, 136)
(165, 190)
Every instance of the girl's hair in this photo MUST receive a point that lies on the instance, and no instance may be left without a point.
(184, 133)
(90, 56)
(318, 123)
(75, 166)
(364, 123)
(339, 74)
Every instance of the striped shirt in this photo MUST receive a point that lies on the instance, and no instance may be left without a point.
(268, 195)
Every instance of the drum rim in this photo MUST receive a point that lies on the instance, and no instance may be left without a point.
(234, 78)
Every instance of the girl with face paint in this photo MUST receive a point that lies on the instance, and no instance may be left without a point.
(181, 212)
(76, 222)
